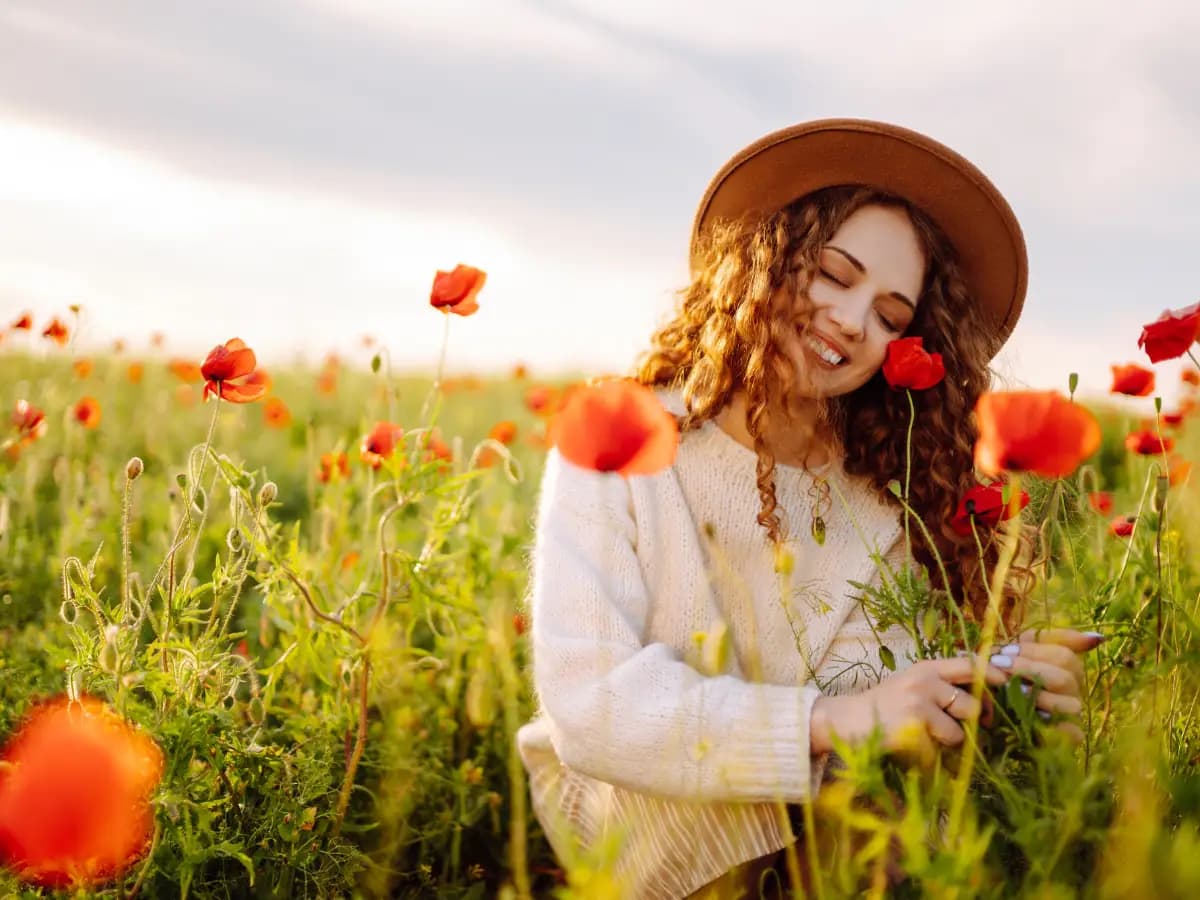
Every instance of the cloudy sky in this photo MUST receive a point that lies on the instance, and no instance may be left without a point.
(294, 171)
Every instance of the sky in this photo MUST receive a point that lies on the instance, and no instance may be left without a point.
(293, 172)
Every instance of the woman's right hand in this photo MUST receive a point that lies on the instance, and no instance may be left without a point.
(920, 695)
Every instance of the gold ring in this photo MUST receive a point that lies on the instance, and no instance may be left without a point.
(949, 703)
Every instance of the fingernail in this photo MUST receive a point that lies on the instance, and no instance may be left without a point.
(1026, 687)
(1045, 714)
(1095, 635)
(1011, 649)
(962, 653)
(1002, 661)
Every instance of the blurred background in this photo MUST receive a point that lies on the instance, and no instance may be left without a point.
(294, 172)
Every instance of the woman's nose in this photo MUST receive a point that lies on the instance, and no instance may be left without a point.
(848, 318)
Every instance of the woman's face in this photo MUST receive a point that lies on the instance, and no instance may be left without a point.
(863, 296)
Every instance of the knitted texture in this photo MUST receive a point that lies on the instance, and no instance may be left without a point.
(681, 757)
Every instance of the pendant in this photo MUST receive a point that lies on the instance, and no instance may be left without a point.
(818, 531)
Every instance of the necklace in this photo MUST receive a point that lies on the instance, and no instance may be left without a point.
(819, 506)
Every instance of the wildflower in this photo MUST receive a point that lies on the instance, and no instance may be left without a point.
(258, 377)
(1122, 526)
(327, 377)
(82, 368)
(1171, 334)
(380, 443)
(436, 448)
(276, 413)
(617, 426)
(74, 797)
(1133, 380)
(909, 365)
(350, 560)
(540, 400)
(519, 624)
(520, 372)
(1173, 419)
(1190, 376)
(1178, 470)
(1100, 501)
(334, 467)
(225, 363)
(985, 504)
(185, 370)
(30, 422)
(135, 372)
(118, 346)
(1034, 431)
(87, 412)
(1147, 443)
(157, 340)
(24, 322)
(56, 331)
(503, 432)
(455, 292)
(134, 468)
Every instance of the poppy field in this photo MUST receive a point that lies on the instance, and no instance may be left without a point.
(264, 633)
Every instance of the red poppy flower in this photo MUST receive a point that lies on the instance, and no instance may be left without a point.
(135, 372)
(24, 323)
(1101, 502)
(540, 400)
(909, 365)
(1174, 419)
(30, 421)
(985, 504)
(157, 340)
(276, 413)
(56, 331)
(185, 370)
(456, 291)
(617, 426)
(504, 432)
(1033, 431)
(436, 448)
(1147, 443)
(1122, 526)
(1171, 334)
(1132, 380)
(380, 443)
(519, 624)
(75, 794)
(87, 412)
(258, 377)
(83, 368)
(226, 363)
(520, 372)
(334, 467)
(1190, 376)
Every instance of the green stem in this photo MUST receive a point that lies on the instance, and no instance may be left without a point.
(912, 415)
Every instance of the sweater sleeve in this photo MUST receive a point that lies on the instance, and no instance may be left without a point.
(635, 715)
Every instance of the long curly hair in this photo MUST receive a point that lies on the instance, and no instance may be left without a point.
(726, 336)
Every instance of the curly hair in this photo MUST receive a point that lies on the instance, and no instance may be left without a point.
(726, 336)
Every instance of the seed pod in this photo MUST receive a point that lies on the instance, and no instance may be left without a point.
(110, 658)
(255, 711)
(133, 468)
(481, 697)
(267, 493)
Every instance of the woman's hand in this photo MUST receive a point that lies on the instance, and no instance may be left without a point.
(1053, 655)
(925, 695)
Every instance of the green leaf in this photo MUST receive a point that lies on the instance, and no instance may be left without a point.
(887, 658)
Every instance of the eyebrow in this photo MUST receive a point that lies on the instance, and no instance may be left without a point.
(862, 269)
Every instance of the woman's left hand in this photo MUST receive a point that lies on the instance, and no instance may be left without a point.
(1054, 656)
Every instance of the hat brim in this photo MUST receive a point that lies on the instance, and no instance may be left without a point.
(787, 164)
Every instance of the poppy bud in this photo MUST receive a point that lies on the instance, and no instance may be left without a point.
(133, 468)
(268, 493)
(255, 711)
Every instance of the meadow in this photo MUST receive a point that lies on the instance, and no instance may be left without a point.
(321, 624)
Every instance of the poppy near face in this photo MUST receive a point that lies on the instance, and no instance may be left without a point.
(456, 291)
(1147, 443)
(1133, 380)
(909, 365)
(985, 504)
(1171, 334)
(616, 426)
(1033, 431)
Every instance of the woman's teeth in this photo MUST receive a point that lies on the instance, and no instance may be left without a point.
(824, 351)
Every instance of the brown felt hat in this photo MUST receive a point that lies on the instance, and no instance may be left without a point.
(789, 163)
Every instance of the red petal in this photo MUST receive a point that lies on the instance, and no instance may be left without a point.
(616, 426)
(241, 393)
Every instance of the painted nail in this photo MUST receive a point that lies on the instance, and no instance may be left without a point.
(1002, 661)
(1026, 687)
(962, 653)
(1095, 635)
(1045, 714)
(1011, 649)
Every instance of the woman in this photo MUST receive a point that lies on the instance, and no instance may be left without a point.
(696, 641)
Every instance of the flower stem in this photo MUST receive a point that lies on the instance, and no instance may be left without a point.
(912, 414)
(1192, 357)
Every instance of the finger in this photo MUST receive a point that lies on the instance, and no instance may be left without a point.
(1072, 731)
(943, 727)
(961, 670)
(964, 706)
(1077, 641)
(1055, 654)
(1060, 681)
(1059, 703)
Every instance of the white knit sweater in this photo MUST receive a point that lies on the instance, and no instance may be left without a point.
(674, 770)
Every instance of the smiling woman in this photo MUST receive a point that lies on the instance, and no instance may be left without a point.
(819, 252)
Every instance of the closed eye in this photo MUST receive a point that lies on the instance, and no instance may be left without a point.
(825, 274)
(889, 324)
